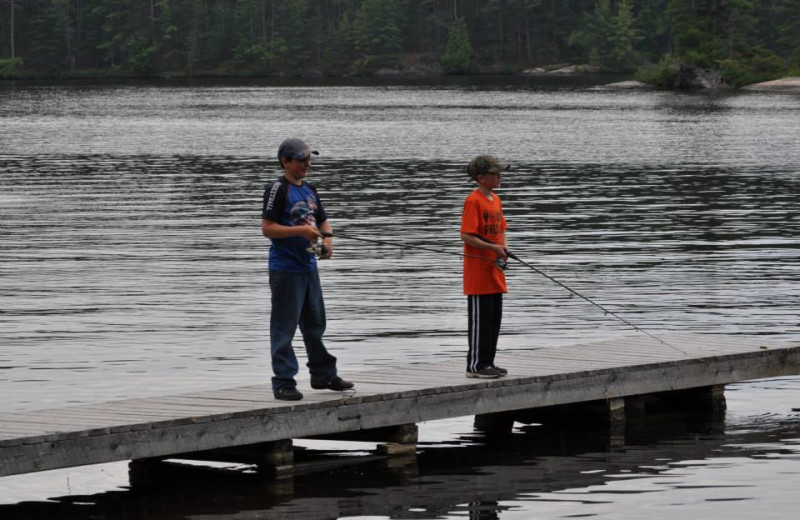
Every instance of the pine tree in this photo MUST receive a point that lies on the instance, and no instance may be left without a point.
(738, 26)
(623, 38)
(458, 50)
(51, 37)
(294, 27)
(377, 29)
(608, 36)
(651, 20)
(789, 29)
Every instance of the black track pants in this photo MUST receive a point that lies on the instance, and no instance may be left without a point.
(485, 314)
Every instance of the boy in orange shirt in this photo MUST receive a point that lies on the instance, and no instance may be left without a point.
(483, 230)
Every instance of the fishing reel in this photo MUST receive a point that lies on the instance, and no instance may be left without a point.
(501, 264)
(318, 249)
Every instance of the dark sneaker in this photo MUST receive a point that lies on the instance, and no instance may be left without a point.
(288, 393)
(503, 371)
(337, 384)
(485, 373)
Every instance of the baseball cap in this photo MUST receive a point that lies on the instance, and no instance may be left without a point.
(294, 148)
(482, 164)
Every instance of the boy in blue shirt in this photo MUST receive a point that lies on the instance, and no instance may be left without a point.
(293, 218)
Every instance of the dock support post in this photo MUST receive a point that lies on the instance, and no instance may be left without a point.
(400, 440)
(616, 409)
(498, 423)
(274, 454)
(709, 399)
(394, 440)
(397, 443)
(603, 411)
(616, 421)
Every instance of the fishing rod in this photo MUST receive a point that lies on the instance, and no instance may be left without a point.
(503, 265)
(576, 293)
(499, 262)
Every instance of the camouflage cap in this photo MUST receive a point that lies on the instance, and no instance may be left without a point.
(483, 164)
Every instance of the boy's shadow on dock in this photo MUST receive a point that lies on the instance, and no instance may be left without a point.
(467, 477)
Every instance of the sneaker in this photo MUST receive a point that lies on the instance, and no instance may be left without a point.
(485, 373)
(503, 371)
(337, 384)
(288, 393)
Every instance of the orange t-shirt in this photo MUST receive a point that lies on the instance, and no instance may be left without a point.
(483, 217)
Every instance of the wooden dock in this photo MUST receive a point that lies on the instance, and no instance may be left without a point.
(605, 372)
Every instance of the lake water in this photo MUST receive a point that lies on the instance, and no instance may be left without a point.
(132, 264)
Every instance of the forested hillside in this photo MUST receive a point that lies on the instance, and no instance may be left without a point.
(744, 39)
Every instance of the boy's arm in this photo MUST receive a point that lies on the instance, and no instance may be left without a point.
(479, 243)
(272, 229)
(274, 202)
(327, 231)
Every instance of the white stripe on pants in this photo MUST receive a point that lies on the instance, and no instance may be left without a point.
(485, 312)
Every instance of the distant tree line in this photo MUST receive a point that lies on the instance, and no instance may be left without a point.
(742, 38)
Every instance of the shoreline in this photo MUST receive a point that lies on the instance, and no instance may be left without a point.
(579, 73)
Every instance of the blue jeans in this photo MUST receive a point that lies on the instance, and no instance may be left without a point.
(297, 300)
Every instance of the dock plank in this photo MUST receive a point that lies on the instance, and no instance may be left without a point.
(163, 425)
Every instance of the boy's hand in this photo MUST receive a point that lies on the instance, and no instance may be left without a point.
(327, 249)
(310, 233)
(500, 251)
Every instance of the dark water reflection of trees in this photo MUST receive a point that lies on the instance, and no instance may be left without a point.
(473, 475)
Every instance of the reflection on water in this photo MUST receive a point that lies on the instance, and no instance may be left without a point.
(525, 122)
(131, 261)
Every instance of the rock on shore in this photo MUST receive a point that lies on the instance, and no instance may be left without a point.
(690, 77)
(625, 85)
(790, 84)
(565, 70)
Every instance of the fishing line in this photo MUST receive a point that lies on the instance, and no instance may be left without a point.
(511, 255)
(579, 295)
(498, 262)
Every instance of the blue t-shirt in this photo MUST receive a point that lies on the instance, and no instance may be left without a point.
(290, 205)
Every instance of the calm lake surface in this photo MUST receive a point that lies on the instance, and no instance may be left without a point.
(132, 265)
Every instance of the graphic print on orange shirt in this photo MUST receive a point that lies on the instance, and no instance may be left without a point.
(483, 217)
